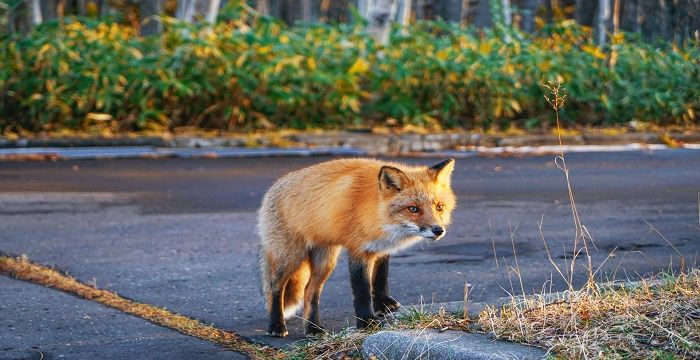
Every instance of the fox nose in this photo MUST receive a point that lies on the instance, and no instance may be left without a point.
(438, 231)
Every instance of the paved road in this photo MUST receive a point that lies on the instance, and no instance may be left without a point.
(179, 233)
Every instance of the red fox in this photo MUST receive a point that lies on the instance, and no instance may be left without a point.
(371, 208)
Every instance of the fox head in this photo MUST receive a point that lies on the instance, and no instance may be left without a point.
(418, 202)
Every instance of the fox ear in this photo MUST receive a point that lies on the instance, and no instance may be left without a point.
(391, 178)
(443, 171)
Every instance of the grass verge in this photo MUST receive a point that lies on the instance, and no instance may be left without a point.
(658, 320)
(21, 268)
(655, 319)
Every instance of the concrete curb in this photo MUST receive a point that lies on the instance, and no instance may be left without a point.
(432, 344)
(457, 145)
(435, 344)
(155, 153)
(370, 142)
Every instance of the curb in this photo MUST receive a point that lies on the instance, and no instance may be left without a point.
(435, 344)
(377, 143)
(157, 153)
(432, 344)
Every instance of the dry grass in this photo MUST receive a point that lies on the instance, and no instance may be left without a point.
(21, 268)
(347, 344)
(646, 322)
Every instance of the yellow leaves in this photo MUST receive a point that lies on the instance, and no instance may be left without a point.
(284, 39)
(294, 62)
(515, 105)
(443, 54)
(241, 59)
(593, 50)
(262, 50)
(360, 66)
(43, 50)
(350, 102)
(509, 69)
(50, 85)
(98, 117)
(63, 67)
(618, 38)
(311, 63)
(484, 48)
(136, 53)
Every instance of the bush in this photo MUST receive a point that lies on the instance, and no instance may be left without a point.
(249, 72)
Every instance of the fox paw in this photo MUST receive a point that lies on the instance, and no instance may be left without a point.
(277, 330)
(386, 305)
(314, 330)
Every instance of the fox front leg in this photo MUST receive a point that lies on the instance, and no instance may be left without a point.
(360, 280)
(383, 303)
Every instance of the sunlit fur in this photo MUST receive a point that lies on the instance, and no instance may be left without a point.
(345, 204)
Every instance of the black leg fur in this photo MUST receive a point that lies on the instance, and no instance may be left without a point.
(277, 328)
(381, 300)
(362, 292)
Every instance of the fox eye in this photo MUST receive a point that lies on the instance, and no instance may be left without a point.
(439, 207)
(413, 209)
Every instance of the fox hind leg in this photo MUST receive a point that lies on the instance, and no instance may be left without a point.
(284, 281)
(323, 260)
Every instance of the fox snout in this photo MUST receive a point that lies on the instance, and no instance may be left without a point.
(433, 233)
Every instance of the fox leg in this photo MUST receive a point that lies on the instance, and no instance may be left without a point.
(277, 327)
(360, 279)
(323, 261)
(285, 279)
(381, 300)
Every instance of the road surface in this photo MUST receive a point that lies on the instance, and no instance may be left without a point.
(180, 233)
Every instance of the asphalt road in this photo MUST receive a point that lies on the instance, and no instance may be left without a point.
(180, 233)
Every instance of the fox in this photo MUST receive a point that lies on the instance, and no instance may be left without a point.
(371, 208)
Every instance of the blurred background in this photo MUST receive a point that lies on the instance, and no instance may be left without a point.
(109, 67)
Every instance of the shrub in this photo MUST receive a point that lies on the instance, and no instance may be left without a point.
(249, 72)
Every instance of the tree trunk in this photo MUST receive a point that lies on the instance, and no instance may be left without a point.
(48, 10)
(603, 21)
(483, 15)
(379, 15)
(616, 17)
(464, 14)
(104, 8)
(405, 13)
(147, 10)
(213, 11)
(628, 16)
(585, 12)
(528, 10)
(507, 14)
(35, 10)
(306, 11)
(363, 8)
(263, 7)
(81, 8)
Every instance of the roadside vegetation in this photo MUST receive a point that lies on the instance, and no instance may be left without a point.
(652, 319)
(655, 318)
(250, 72)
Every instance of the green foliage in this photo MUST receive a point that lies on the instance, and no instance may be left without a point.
(250, 72)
